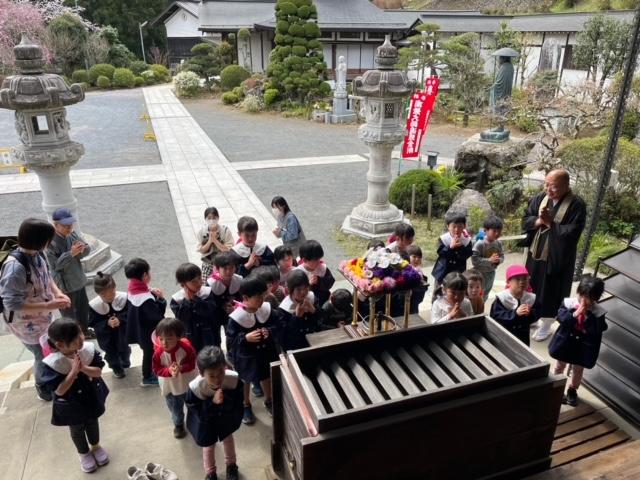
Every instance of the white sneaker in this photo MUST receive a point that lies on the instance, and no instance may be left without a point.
(134, 473)
(544, 332)
(159, 472)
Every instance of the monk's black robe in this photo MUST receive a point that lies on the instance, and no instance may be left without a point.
(551, 279)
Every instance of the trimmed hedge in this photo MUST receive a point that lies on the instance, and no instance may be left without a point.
(103, 82)
(80, 76)
(101, 70)
(149, 77)
(123, 78)
(229, 98)
(162, 72)
(270, 96)
(400, 190)
(232, 76)
(140, 82)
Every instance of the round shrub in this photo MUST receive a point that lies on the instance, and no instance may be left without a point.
(187, 84)
(149, 77)
(304, 11)
(299, 50)
(103, 82)
(229, 98)
(80, 76)
(138, 66)
(162, 72)
(311, 30)
(252, 104)
(232, 76)
(296, 30)
(287, 8)
(400, 190)
(270, 96)
(140, 81)
(282, 26)
(239, 92)
(123, 78)
(101, 70)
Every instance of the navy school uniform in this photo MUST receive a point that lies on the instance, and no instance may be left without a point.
(503, 311)
(574, 345)
(225, 295)
(199, 317)
(207, 422)
(322, 290)
(144, 313)
(294, 329)
(85, 398)
(113, 341)
(451, 259)
(251, 360)
(244, 252)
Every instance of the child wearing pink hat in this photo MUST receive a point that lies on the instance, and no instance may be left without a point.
(515, 308)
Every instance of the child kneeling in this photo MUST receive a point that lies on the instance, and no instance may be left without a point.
(214, 410)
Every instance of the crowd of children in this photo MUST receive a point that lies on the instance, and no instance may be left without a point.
(262, 303)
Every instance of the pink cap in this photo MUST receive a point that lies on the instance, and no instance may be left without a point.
(516, 270)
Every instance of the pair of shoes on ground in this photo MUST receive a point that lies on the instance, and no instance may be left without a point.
(179, 431)
(119, 373)
(248, 418)
(151, 381)
(152, 471)
(571, 398)
(97, 457)
(232, 473)
(544, 330)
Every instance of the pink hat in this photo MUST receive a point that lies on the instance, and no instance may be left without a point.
(515, 271)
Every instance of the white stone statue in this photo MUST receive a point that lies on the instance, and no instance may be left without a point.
(341, 77)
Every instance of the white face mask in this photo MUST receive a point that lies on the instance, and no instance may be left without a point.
(211, 221)
(276, 212)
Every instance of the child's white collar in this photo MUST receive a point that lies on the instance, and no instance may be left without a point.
(218, 287)
(446, 239)
(61, 364)
(139, 298)
(573, 303)
(248, 320)
(202, 390)
(203, 293)
(511, 303)
(101, 307)
(288, 305)
(244, 251)
(320, 270)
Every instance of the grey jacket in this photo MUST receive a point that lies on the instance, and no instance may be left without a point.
(66, 270)
(482, 252)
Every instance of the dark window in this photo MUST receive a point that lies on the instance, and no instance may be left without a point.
(324, 35)
(350, 35)
(567, 62)
(388, 110)
(375, 35)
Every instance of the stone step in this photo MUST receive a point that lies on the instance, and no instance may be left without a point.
(100, 253)
(111, 265)
(13, 375)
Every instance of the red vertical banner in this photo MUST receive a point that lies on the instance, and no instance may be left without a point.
(420, 111)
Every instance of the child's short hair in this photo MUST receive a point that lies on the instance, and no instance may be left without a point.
(341, 299)
(136, 268)
(414, 250)
(404, 230)
(210, 357)
(311, 250)
(281, 252)
(35, 234)
(225, 259)
(247, 224)
(187, 272)
(280, 202)
(375, 243)
(296, 279)
(170, 326)
(103, 282)
(455, 217)
(473, 275)
(63, 330)
(493, 222)
(591, 287)
(211, 211)
(268, 273)
(455, 281)
(252, 286)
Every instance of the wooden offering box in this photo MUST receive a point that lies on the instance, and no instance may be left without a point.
(458, 400)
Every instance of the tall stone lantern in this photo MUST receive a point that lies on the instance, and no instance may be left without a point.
(39, 100)
(384, 91)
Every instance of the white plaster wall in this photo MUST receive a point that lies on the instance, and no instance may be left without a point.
(182, 24)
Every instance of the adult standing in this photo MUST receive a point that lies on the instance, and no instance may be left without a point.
(553, 223)
(288, 229)
(64, 254)
(29, 293)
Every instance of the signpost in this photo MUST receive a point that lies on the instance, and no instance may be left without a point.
(420, 111)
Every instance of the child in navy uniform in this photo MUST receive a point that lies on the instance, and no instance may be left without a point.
(251, 254)
(195, 306)
(338, 310)
(320, 278)
(225, 287)
(214, 410)
(146, 309)
(285, 262)
(72, 373)
(298, 315)
(271, 276)
(403, 237)
(515, 308)
(250, 334)
(577, 339)
(108, 318)
(454, 248)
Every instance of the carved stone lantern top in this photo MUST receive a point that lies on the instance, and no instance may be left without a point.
(31, 88)
(386, 81)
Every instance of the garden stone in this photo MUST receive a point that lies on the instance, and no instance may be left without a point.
(481, 163)
(468, 198)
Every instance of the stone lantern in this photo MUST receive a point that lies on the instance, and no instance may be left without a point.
(39, 100)
(385, 91)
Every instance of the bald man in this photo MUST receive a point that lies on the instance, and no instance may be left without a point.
(553, 223)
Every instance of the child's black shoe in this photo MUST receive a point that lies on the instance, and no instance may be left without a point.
(211, 476)
(571, 397)
(232, 472)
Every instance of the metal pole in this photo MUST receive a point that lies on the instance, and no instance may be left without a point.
(144, 57)
(413, 199)
(612, 144)
(429, 205)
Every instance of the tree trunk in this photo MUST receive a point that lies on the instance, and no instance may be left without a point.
(465, 118)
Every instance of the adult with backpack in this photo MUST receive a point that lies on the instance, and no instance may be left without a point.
(28, 294)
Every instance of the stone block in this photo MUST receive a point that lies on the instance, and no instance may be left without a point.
(14, 374)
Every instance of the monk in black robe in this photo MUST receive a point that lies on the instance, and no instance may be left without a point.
(553, 223)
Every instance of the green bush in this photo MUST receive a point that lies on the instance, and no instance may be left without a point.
(162, 72)
(123, 78)
(270, 96)
(138, 66)
(239, 91)
(140, 81)
(504, 196)
(299, 50)
(229, 98)
(232, 76)
(149, 77)
(526, 122)
(400, 190)
(187, 84)
(103, 82)
(101, 70)
(288, 8)
(80, 76)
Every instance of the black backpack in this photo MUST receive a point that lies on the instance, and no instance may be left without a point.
(9, 249)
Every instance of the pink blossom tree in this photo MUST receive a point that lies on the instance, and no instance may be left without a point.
(16, 19)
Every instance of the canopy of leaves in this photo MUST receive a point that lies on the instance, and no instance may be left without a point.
(67, 38)
(423, 52)
(209, 60)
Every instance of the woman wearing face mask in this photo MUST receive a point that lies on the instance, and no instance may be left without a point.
(213, 238)
(288, 229)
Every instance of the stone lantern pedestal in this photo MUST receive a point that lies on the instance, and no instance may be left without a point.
(385, 91)
(39, 100)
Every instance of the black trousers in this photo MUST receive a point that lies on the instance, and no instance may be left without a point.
(147, 357)
(85, 434)
(79, 309)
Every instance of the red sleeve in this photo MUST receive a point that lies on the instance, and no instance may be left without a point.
(157, 367)
(189, 362)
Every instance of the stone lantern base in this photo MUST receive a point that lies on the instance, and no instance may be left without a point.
(373, 224)
(101, 259)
